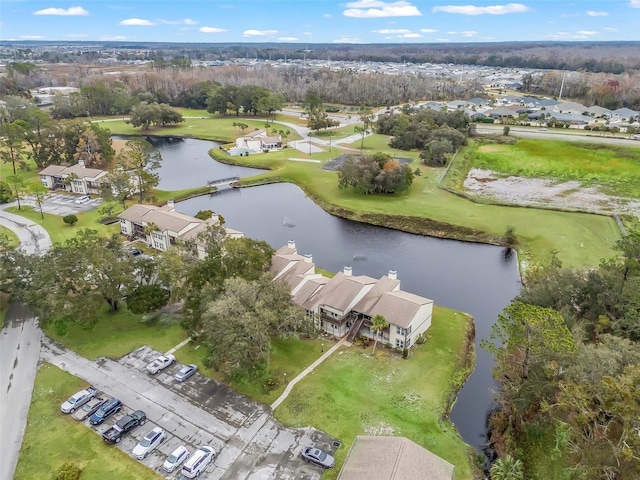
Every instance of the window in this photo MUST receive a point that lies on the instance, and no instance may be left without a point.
(400, 331)
(399, 343)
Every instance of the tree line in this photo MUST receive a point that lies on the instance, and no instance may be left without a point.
(568, 366)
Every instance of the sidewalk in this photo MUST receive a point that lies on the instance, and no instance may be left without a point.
(34, 239)
(305, 372)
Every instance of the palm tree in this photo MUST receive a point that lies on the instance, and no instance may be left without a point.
(149, 228)
(378, 323)
(507, 468)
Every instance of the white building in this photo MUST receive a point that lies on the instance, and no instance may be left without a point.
(83, 180)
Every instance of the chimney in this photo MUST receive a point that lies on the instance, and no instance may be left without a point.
(347, 271)
(393, 274)
(81, 163)
(291, 244)
(308, 258)
(170, 204)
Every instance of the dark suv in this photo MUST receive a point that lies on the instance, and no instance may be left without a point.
(112, 406)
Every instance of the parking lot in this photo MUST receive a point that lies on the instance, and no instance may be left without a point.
(249, 443)
(61, 204)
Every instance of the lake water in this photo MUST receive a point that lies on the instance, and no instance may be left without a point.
(473, 278)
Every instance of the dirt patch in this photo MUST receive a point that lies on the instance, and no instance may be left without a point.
(489, 148)
(542, 192)
(118, 144)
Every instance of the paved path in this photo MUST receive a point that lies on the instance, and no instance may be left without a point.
(19, 353)
(34, 239)
(305, 372)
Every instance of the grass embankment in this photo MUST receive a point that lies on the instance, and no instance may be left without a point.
(10, 237)
(29, 174)
(352, 393)
(52, 438)
(579, 239)
(115, 335)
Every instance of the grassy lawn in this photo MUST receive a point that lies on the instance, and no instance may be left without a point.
(216, 129)
(52, 438)
(615, 168)
(30, 174)
(60, 231)
(352, 393)
(11, 238)
(115, 335)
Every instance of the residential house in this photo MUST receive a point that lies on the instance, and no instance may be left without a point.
(393, 458)
(162, 227)
(346, 304)
(75, 179)
(257, 142)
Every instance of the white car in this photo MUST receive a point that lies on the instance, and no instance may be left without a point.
(78, 399)
(198, 462)
(150, 441)
(81, 200)
(176, 458)
(160, 363)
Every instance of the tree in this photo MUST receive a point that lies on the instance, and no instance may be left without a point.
(141, 160)
(40, 192)
(70, 220)
(17, 184)
(378, 324)
(360, 129)
(12, 137)
(506, 130)
(507, 468)
(271, 103)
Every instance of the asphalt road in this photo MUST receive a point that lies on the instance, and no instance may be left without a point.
(251, 444)
(19, 354)
(34, 239)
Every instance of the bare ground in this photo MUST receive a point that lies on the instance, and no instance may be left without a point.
(546, 193)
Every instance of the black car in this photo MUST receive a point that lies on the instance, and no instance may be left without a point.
(112, 406)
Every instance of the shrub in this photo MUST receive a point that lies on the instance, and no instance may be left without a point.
(147, 298)
(332, 109)
(68, 471)
(421, 339)
(405, 352)
(70, 219)
(5, 192)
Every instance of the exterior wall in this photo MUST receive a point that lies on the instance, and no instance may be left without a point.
(159, 240)
(47, 181)
(126, 227)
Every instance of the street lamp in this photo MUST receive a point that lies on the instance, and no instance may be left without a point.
(285, 377)
(323, 348)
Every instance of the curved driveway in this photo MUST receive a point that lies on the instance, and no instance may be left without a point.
(34, 239)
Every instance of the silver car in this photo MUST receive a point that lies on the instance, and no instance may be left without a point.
(185, 372)
(150, 441)
(176, 458)
(89, 408)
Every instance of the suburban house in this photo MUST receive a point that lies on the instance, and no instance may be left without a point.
(393, 458)
(162, 227)
(256, 142)
(76, 178)
(346, 304)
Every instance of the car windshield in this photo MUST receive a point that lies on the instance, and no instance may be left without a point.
(172, 459)
(321, 455)
(145, 442)
(185, 370)
(71, 400)
(87, 407)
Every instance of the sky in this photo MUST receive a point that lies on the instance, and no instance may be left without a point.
(320, 21)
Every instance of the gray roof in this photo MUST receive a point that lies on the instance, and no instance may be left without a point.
(399, 308)
(393, 458)
(368, 302)
(339, 292)
(479, 101)
(598, 111)
(626, 112)
(53, 170)
(78, 170)
(310, 287)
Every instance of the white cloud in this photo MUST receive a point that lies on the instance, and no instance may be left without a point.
(634, 3)
(392, 31)
(31, 37)
(442, 39)
(347, 40)
(410, 35)
(113, 38)
(76, 35)
(452, 33)
(69, 12)
(469, 33)
(327, 15)
(428, 30)
(308, 34)
(287, 39)
(137, 22)
(488, 10)
(609, 29)
(259, 33)
(587, 33)
(579, 35)
(185, 21)
(211, 30)
(593, 13)
(380, 9)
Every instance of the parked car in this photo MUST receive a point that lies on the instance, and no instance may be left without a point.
(185, 372)
(150, 441)
(89, 408)
(81, 200)
(160, 363)
(542, 129)
(198, 462)
(176, 458)
(123, 426)
(105, 411)
(136, 252)
(78, 399)
(319, 457)
(636, 136)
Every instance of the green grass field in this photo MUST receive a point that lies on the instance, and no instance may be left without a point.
(11, 238)
(115, 335)
(52, 438)
(352, 393)
(615, 168)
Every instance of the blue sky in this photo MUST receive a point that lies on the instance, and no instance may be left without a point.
(320, 21)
